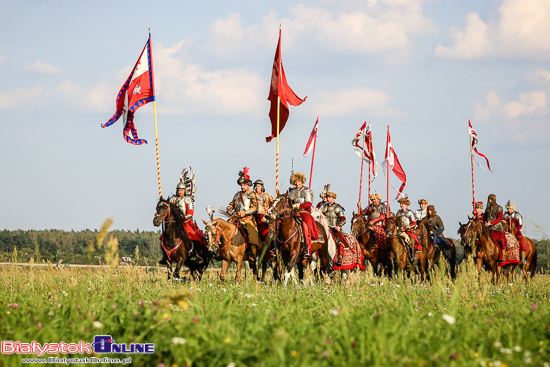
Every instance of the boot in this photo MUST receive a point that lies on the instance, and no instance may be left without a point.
(523, 260)
(503, 251)
(339, 259)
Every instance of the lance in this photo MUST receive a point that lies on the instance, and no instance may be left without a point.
(472, 164)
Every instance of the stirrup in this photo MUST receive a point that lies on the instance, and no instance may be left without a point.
(338, 261)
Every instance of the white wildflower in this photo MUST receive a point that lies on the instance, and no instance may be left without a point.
(450, 319)
(334, 312)
(178, 340)
(97, 324)
(517, 348)
(506, 350)
(497, 344)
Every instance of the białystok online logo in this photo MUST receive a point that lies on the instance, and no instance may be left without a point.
(102, 344)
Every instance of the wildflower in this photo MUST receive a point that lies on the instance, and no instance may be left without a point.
(454, 355)
(506, 350)
(450, 319)
(474, 305)
(448, 296)
(328, 341)
(227, 340)
(517, 348)
(534, 306)
(497, 344)
(195, 320)
(178, 340)
(141, 303)
(15, 305)
(39, 325)
(97, 324)
(490, 321)
(59, 305)
(165, 316)
(325, 354)
(183, 304)
(231, 364)
(294, 353)
(335, 311)
(113, 307)
(78, 307)
(476, 354)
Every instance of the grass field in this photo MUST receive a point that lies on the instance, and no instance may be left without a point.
(357, 321)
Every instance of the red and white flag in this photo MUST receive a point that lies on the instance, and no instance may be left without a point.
(362, 144)
(391, 162)
(138, 90)
(473, 146)
(312, 138)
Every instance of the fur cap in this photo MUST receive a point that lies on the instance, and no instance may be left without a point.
(479, 205)
(405, 201)
(298, 176)
(331, 194)
(375, 196)
(510, 205)
(423, 201)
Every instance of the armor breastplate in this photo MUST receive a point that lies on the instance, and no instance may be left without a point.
(242, 202)
(421, 214)
(333, 214)
(297, 196)
(189, 203)
(491, 214)
(179, 201)
(405, 217)
(378, 211)
(514, 216)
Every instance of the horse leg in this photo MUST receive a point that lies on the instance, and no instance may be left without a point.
(169, 267)
(225, 265)
(179, 264)
(240, 261)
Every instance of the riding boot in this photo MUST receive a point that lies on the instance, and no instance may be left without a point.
(199, 259)
(522, 258)
(339, 259)
(503, 251)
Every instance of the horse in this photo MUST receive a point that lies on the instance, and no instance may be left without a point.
(476, 235)
(228, 242)
(530, 267)
(288, 237)
(398, 254)
(433, 251)
(175, 242)
(365, 236)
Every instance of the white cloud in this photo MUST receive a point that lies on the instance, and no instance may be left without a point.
(2, 58)
(21, 99)
(520, 31)
(522, 119)
(42, 68)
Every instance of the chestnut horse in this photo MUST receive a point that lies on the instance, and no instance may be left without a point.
(365, 236)
(175, 243)
(530, 267)
(227, 241)
(289, 238)
(480, 239)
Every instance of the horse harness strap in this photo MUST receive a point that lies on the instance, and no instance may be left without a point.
(168, 253)
(231, 239)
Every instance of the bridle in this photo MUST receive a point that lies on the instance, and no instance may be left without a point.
(218, 234)
(167, 213)
(297, 226)
(362, 226)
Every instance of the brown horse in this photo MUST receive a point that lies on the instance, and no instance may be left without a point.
(175, 243)
(434, 252)
(290, 242)
(530, 267)
(398, 253)
(365, 236)
(486, 252)
(229, 243)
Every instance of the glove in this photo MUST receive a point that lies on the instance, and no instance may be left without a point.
(295, 206)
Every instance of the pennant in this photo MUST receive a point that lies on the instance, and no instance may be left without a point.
(473, 146)
(366, 151)
(392, 163)
(137, 91)
(280, 88)
(312, 137)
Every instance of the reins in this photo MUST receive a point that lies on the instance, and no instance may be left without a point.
(218, 231)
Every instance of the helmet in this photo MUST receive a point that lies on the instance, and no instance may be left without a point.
(181, 185)
(261, 183)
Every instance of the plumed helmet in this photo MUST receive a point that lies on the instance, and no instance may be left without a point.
(423, 201)
(510, 205)
(331, 194)
(244, 178)
(405, 201)
(261, 183)
(479, 205)
(298, 176)
(325, 191)
(375, 196)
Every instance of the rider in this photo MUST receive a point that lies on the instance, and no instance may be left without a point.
(323, 196)
(377, 218)
(301, 198)
(266, 202)
(513, 216)
(493, 220)
(422, 212)
(406, 222)
(184, 200)
(435, 227)
(246, 207)
(336, 219)
(478, 213)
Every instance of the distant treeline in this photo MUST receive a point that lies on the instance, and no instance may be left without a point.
(70, 246)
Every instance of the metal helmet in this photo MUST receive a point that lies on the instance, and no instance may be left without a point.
(259, 182)
(181, 185)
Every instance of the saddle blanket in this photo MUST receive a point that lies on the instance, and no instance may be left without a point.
(352, 256)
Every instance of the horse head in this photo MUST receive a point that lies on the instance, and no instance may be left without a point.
(213, 232)
(391, 227)
(162, 211)
(358, 225)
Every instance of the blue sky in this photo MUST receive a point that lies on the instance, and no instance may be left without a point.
(421, 67)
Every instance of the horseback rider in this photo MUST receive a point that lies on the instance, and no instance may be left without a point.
(336, 219)
(301, 198)
(435, 227)
(406, 222)
(422, 212)
(376, 216)
(493, 220)
(246, 207)
(323, 196)
(185, 201)
(512, 216)
(478, 213)
(266, 200)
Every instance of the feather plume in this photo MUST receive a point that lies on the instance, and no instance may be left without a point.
(245, 173)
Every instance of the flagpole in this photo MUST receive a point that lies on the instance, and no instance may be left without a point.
(362, 163)
(472, 163)
(388, 177)
(313, 155)
(156, 131)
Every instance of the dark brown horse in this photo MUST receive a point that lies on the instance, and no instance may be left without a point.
(434, 252)
(175, 243)
(530, 267)
(365, 236)
(486, 252)
(227, 241)
(290, 242)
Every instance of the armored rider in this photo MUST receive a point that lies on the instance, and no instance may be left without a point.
(435, 228)
(512, 216)
(493, 220)
(335, 216)
(423, 211)
(323, 196)
(406, 222)
(376, 214)
(246, 207)
(266, 200)
(478, 212)
(301, 198)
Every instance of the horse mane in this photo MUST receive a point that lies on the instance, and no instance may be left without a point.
(179, 218)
